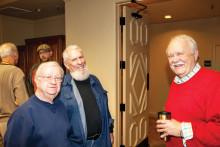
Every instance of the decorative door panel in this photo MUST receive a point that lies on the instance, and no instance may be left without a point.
(135, 46)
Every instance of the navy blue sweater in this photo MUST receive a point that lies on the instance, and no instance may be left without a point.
(38, 124)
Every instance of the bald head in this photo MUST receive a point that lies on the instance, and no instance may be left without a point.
(9, 53)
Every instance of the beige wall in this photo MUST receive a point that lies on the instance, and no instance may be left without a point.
(0, 28)
(16, 30)
(205, 31)
(94, 31)
(50, 26)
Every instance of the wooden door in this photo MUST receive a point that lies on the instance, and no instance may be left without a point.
(22, 58)
(57, 44)
(135, 47)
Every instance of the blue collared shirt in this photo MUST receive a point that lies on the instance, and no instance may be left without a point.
(179, 80)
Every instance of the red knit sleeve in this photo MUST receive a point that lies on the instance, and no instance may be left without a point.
(207, 132)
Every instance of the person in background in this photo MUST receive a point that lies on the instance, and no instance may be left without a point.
(13, 90)
(42, 120)
(86, 103)
(193, 100)
(45, 53)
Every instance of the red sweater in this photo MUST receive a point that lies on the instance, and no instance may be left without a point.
(197, 101)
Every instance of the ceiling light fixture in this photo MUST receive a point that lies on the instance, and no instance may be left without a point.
(38, 10)
(168, 16)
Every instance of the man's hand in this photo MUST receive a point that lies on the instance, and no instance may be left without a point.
(112, 137)
(169, 127)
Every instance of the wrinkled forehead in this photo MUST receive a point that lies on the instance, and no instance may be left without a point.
(51, 70)
(178, 46)
(75, 54)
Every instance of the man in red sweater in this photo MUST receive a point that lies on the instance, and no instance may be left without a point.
(193, 100)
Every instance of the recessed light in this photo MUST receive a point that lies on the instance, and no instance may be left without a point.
(38, 10)
(167, 16)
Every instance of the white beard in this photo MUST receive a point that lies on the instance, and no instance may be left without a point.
(80, 76)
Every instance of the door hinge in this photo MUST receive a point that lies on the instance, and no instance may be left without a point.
(122, 21)
(122, 107)
(122, 64)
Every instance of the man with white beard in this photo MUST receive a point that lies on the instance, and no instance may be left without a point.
(86, 103)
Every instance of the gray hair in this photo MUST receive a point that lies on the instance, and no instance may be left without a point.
(190, 40)
(8, 49)
(49, 63)
(68, 49)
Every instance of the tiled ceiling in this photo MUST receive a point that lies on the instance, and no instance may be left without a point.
(156, 9)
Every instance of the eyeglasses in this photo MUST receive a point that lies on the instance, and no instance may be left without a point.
(44, 51)
(49, 78)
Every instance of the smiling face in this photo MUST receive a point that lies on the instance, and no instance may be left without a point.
(76, 61)
(181, 58)
(76, 64)
(48, 83)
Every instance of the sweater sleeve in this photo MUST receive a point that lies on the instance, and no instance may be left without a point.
(207, 132)
(18, 132)
(20, 89)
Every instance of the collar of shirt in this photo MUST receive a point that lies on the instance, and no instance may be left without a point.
(5, 63)
(179, 80)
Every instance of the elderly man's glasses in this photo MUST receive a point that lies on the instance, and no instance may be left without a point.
(50, 78)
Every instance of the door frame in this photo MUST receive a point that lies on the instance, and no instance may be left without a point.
(119, 74)
(119, 86)
(214, 54)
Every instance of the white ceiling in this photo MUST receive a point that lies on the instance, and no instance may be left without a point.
(156, 9)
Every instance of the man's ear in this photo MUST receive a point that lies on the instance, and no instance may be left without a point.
(196, 55)
(36, 80)
(16, 55)
(51, 53)
(15, 58)
(66, 65)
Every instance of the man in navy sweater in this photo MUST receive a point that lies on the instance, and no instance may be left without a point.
(42, 120)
